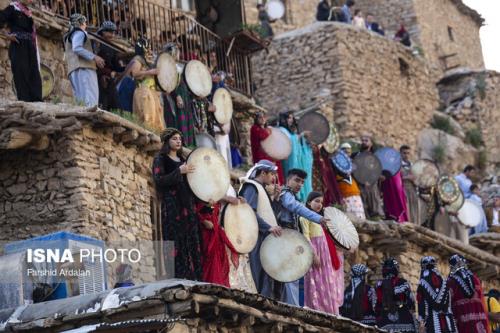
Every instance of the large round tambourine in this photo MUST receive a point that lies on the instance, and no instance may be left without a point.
(198, 78)
(211, 178)
(205, 140)
(426, 173)
(48, 81)
(448, 189)
(286, 258)
(341, 229)
(275, 9)
(317, 124)
(454, 206)
(367, 168)
(167, 77)
(390, 159)
(223, 106)
(470, 215)
(277, 145)
(241, 227)
(342, 162)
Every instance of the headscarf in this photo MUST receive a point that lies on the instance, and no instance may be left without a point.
(427, 264)
(107, 26)
(141, 46)
(76, 20)
(283, 122)
(390, 268)
(168, 133)
(353, 298)
(261, 165)
(462, 275)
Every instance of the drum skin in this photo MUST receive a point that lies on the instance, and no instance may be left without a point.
(223, 106)
(390, 159)
(277, 145)
(368, 168)
(317, 124)
(286, 258)
(332, 143)
(454, 207)
(210, 180)
(241, 227)
(198, 78)
(426, 173)
(341, 229)
(448, 189)
(205, 140)
(470, 214)
(275, 9)
(167, 77)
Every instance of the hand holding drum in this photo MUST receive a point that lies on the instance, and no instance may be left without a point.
(187, 168)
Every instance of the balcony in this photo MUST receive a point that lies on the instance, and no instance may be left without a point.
(160, 25)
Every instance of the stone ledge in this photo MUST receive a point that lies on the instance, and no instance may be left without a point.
(395, 238)
(488, 241)
(181, 299)
(29, 125)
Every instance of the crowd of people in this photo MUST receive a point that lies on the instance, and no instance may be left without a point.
(275, 191)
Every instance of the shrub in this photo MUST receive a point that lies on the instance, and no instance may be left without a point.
(481, 86)
(474, 137)
(482, 159)
(439, 153)
(443, 124)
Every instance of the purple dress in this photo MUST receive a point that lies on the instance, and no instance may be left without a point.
(395, 198)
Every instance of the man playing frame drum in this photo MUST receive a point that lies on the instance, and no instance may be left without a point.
(253, 190)
(288, 217)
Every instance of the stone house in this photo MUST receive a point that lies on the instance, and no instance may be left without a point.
(371, 83)
(446, 32)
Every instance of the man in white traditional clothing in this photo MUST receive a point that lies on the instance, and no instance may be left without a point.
(82, 62)
(254, 191)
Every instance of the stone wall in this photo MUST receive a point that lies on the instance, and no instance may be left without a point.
(87, 181)
(434, 20)
(52, 55)
(374, 84)
(471, 98)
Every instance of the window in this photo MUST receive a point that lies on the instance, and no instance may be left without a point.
(186, 5)
(450, 34)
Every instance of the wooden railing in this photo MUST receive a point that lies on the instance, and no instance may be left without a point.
(136, 18)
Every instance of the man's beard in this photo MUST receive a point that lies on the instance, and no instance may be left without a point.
(365, 147)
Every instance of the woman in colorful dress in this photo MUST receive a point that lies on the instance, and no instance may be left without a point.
(324, 283)
(301, 156)
(179, 221)
(214, 258)
(147, 104)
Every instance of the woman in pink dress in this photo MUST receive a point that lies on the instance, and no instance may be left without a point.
(324, 283)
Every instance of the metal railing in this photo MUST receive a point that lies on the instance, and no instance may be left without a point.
(160, 24)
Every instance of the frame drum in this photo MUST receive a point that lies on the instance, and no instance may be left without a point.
(317, 124)
(341, 229)
(275, 9)
(198, 78)
(470, 215)
(277, 145)
(210, 180)
(426, 173)
(167, 77)
(223, 106)
(240, 225)
(286, 258)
